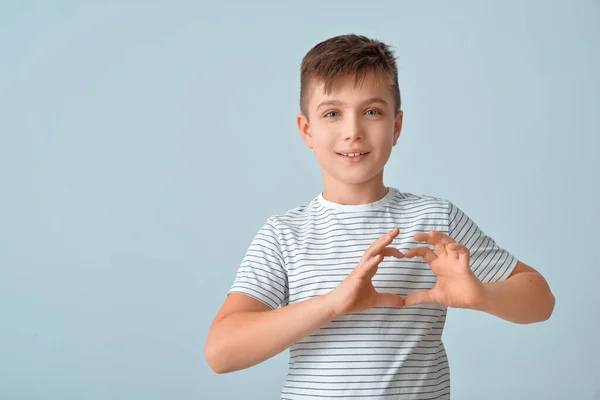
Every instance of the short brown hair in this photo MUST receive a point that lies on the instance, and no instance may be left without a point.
(348, 55)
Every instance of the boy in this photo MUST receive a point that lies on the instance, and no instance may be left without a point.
(357, 282)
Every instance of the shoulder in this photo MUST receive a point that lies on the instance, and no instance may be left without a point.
(297, 216)
(420, 202)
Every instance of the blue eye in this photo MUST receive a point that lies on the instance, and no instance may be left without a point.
(374, 111)
(329, 114)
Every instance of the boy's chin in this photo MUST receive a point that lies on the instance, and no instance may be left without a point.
(357, 179)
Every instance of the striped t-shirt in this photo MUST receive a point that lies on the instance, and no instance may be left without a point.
(381, 353)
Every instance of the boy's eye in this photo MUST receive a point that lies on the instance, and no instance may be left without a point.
(331, 114)
(373, 112)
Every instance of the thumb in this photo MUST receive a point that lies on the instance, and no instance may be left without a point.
(420, 297)
(389, 300)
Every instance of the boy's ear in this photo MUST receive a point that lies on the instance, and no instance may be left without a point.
(304, 128)
(398, 126)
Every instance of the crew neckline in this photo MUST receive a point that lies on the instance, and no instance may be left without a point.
(358, 207)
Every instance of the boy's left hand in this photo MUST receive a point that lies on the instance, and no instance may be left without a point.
(457, 286)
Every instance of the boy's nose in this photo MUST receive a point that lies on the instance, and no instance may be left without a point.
(353, 131)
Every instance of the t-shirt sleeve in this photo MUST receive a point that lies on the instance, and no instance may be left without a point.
(262, 273)
(488, 261)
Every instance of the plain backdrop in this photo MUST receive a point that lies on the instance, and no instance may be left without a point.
(143, 144)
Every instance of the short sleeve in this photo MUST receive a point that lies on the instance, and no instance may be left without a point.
(262, 273)
(488, 261)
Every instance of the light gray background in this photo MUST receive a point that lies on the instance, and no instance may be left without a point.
(142, 144)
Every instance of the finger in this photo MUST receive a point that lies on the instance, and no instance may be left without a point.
(453, 249)
(368, 268)
(433, 238)
(387, 237)
(458, 250)
(422, 237)
(440, 249)
(442, 237)
(440, 242)
(380, 243)
(420, 297)
(389, 300)
(425, 252)
(392, 252)
(463, 252)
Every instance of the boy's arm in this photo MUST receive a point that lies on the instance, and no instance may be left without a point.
(523, 298)
(246, 332)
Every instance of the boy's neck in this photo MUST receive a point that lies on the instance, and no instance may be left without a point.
(348, 194)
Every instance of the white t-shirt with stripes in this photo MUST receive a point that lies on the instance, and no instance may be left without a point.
(381, 353)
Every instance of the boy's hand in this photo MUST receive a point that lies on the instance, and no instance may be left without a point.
(457, 286)
(356, 293)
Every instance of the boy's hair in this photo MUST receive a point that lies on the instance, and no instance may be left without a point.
(348, 55)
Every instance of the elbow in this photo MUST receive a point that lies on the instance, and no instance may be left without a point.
(545, 311)
(216, 358)
(550, 306)
(545, 307)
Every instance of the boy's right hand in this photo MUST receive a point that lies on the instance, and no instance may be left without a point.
(356, 293)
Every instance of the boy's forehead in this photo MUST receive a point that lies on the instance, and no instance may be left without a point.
(349, 90)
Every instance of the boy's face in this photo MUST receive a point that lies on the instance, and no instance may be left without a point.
(351, 119)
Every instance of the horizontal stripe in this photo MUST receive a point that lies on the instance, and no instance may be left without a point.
(383, 352)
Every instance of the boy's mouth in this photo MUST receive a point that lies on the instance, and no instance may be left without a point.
(353, 157)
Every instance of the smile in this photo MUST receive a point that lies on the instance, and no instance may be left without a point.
(353, 157)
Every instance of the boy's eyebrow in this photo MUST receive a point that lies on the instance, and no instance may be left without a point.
(340, 103)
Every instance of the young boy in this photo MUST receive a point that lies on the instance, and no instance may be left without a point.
(357, 282)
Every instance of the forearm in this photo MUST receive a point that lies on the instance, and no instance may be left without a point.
(244, 339)
(523, 298)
